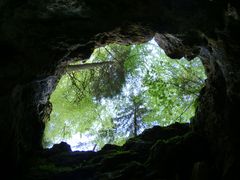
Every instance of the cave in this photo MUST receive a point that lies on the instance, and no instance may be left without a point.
(39, 38)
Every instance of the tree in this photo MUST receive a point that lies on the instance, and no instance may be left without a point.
(68, 116)
(120, 91)
(172, 95)
(130, 115)
(74, 99)
(103, 73)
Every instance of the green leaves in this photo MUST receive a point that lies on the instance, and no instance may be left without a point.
(125, 90)
(173, 86)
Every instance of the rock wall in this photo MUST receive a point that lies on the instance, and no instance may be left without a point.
(37, 38)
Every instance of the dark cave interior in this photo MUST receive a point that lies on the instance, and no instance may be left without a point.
(38, 39)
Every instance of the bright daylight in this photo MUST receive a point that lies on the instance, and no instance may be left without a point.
(120, 91)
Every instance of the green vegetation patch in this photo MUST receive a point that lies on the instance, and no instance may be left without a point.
(120, 91)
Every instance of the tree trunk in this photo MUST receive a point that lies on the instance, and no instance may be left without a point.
(79, 67)
(135, 123)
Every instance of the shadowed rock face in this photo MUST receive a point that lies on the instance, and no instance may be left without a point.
(160, 152)
(37, 38)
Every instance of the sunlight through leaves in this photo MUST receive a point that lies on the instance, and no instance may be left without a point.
(120, 91)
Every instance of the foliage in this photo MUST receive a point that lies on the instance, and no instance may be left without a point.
(173, 87)
(141, 87)
(68, 115)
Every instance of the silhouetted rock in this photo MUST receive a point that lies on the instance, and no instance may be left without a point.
(39, 38)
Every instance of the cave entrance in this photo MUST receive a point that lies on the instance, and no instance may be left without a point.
(120, 91)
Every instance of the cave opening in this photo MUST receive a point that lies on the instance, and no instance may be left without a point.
(120, 91)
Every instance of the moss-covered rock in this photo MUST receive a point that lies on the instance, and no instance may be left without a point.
(38, 39)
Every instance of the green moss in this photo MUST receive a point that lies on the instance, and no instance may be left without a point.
(51, 168)
(43, 168)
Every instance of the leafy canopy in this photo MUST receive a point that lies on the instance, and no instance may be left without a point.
(124, 90)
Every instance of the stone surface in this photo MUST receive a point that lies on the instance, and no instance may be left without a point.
(38, 38)
(146, 156)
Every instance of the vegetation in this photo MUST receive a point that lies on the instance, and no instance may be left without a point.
(120, 91)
